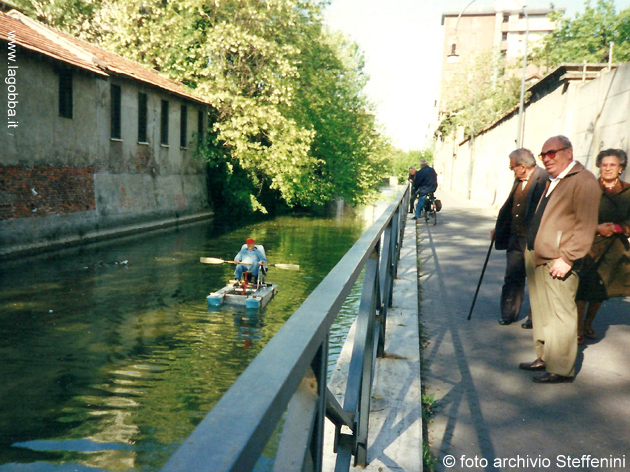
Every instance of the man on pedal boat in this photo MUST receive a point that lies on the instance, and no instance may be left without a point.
(251, 257)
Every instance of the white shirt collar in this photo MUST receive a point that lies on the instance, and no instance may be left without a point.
(561, 175)
(564, 173)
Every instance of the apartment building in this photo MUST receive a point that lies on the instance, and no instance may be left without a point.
(502, 28)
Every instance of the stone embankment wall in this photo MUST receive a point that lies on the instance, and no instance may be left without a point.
(594, 115)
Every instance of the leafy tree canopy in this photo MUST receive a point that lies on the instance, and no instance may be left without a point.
(478, 97)
(403, 160)
(587, 36)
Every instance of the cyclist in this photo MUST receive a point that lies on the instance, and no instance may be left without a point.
(424, 182)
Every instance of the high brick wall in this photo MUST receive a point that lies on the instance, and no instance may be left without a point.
(27, 192)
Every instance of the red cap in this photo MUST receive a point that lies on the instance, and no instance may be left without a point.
(249, 241)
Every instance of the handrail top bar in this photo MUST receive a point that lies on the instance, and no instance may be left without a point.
(257, 399)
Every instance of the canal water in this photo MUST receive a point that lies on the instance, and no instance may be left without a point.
(110, 355)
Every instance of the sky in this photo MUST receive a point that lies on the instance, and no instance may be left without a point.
(402, 43)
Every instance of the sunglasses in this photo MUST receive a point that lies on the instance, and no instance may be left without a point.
(551, 154)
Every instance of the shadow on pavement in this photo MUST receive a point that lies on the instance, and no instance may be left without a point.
(490, 415)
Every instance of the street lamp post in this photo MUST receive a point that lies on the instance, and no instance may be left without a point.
(453, 57)
(519, 135)
(472, 132)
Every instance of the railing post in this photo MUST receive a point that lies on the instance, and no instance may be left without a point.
(320, 368)
(398, 229)
(370, 299)
(385, 285)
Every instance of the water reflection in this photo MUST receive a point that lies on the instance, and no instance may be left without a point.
(110, 354)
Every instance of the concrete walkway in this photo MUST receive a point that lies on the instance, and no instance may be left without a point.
(490, 415)
(395, 424)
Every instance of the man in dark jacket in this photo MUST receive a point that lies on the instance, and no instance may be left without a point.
(424, 182)
(510, 232)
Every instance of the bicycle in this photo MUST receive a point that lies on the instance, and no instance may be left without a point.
(430, 209)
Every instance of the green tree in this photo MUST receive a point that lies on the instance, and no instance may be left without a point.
(73, 16)
(587, 36)
(478, 97)
(401, 161)
(239, 57)
(329, 101)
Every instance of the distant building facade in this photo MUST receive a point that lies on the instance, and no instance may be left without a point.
(501, 28)
(94, 144)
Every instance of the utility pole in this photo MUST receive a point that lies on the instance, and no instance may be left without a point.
(521, 106)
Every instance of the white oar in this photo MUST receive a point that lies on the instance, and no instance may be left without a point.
(215, 260)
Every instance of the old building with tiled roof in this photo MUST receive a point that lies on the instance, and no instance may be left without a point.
(94, 144)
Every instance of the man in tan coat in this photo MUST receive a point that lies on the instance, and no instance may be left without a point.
(561, 233)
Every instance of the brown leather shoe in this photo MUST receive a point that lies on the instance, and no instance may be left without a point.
(548, 378)
(538, 364)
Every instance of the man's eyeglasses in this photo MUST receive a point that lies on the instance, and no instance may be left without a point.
(514, 167)
(551, 154)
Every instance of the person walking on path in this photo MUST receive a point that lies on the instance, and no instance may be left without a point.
(561, 234)
(424, 182)
(606, 268)
(510, 232)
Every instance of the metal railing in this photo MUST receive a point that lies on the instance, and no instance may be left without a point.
(289, 374)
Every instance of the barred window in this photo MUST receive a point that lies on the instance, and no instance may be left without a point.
(183, 126)
(65, 93)
(164, 123)
(115, 109)
(142, 117)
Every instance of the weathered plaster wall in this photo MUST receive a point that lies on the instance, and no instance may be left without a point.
(42, 137)
(65, 180)
(593, 115)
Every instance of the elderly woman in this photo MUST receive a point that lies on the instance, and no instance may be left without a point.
(606, 270)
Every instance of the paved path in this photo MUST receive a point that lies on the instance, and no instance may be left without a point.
(395, 424)
(488, 409)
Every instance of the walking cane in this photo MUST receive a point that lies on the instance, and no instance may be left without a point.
(483, 271)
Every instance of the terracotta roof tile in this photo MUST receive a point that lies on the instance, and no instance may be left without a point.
(42, 39)
(30, 39)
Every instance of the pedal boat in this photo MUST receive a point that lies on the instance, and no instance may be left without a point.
(251, 296)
